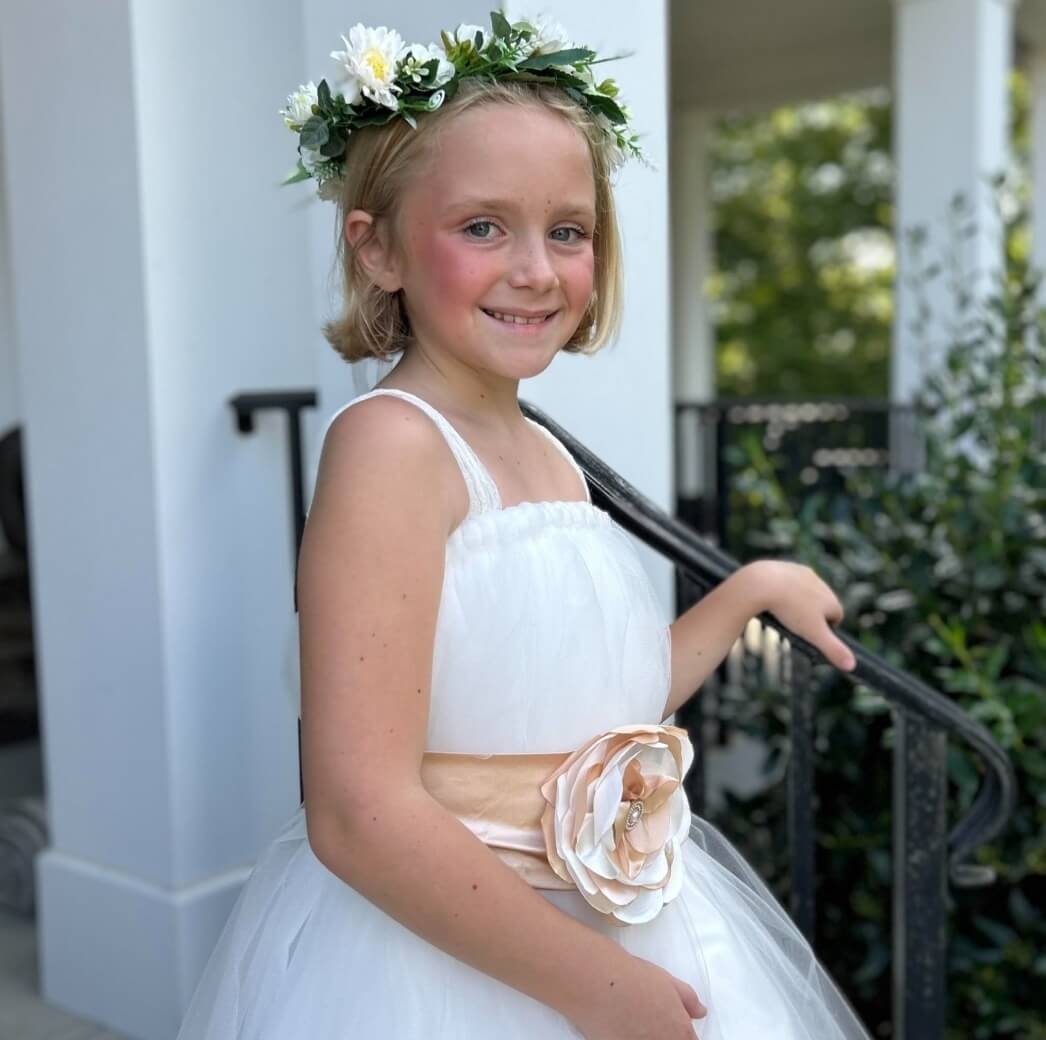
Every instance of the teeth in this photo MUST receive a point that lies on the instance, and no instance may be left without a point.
(515, 319)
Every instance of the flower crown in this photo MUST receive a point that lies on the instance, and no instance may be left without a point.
(384, 78)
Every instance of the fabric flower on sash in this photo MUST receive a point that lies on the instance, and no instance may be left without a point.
(616, 817)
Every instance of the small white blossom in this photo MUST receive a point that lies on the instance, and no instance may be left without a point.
(436, 99)
(551, 36)
(311, 159)
(465, 33)
(419, 55)
(299, 106)
(370, 59)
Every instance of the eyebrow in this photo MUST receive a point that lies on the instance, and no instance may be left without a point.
(477, 204)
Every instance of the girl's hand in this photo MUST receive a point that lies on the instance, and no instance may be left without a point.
(647, 1003)
(802, 602)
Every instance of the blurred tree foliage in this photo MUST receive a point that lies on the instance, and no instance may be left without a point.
(802, 293)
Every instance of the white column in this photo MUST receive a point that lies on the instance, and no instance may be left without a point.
(10, 406)
(158, 270)
(693, 336)
(952, 61)
(1036, 69)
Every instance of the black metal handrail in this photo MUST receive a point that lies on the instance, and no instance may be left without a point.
(293, 402)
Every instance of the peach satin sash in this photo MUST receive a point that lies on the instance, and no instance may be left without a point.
(498, 797)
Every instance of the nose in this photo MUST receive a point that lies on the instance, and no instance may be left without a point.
(532, 266)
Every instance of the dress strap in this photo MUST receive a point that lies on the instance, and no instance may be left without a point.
(562, 448)
(482, 491)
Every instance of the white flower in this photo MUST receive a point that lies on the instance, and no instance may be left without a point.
(616, 817)
(420, 54)
(465, 33)
(350, 92)
(311, 158)
(370, 59)
(436, 99)
(551, 36)
(299, 106)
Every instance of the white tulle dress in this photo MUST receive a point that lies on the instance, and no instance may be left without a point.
(548, 632)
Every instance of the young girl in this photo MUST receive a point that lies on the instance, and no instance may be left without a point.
(494, 840)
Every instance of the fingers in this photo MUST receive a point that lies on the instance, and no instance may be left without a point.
(694, 1007)
(837, 651)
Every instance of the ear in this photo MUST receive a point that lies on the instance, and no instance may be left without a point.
(367, 240)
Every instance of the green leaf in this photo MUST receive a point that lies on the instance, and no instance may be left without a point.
(334, 147)
(500, 24)
(314, 133)
(299, 173)
(607, 106)
(323, 94)
(567, 57)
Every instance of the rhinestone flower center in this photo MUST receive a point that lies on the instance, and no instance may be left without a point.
(635, 810)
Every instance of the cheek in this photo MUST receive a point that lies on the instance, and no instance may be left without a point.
(453, 270)
(580, 274)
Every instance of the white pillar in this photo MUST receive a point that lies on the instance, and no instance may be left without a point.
(158, 270)
(693, 336)
(952, 63)
(10, 406)
(1036, 68)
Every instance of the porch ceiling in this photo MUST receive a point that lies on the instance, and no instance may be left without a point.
(742, 54)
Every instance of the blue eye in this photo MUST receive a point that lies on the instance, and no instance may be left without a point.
(577, 231)
(488, 224)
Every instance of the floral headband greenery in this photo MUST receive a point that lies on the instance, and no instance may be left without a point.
(384, 78)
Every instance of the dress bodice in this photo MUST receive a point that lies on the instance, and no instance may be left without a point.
(549, 629)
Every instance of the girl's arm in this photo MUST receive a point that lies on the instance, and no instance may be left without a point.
(703, 636)
(370, 577)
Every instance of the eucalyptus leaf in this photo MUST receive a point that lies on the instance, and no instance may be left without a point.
(314, 133)
(334, 148)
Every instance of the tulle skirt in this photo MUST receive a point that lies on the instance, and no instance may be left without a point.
(304, 956)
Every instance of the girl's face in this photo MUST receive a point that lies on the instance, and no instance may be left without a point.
(495, 257)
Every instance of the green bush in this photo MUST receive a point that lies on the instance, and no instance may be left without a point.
(943, 572)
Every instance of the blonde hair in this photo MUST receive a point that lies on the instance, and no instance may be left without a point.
(379, 164)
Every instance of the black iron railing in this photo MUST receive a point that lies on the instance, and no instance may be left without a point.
(925, 854)
(811, 445)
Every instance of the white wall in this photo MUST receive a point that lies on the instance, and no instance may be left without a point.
(158, 270)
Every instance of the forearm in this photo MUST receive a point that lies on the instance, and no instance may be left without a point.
(422, 866)
(702, 636)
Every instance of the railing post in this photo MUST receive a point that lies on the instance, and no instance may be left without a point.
(292, 402)
(799, 679)
(920, 878)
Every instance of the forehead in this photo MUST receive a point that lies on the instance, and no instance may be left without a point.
(519, 153)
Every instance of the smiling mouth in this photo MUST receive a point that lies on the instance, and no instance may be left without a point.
(516, 319)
